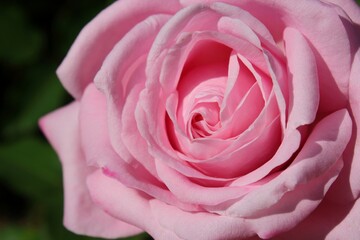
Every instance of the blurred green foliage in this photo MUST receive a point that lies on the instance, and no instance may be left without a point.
(35, 38)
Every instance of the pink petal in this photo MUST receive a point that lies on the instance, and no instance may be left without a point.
(304, 101)
(329, 39)
(303, 80)
(150, 117)
(86, 55)
(320, 153)
(196, 75)
(263, 79)
(347, 186)
(236, 86)
(354, 88)
(247, 157)
(121, 79)
(163, 152)
(187, 146)
(162, 221)
(329, 221)
(265, 118)
(123, 128)
(349, 225)
(125, 204)
(234, 152)
(81, 215)
(168, 35)
(294, 206)
(171, 34)
(298, 190)
(290, 143)
(332, 40)
(94, 129)
(245, 24)
(351, 8)
(99, 151)
(193, 193)
(280, 85)
(201, 225)
(242, 24)
(127, 54)
(245, 113)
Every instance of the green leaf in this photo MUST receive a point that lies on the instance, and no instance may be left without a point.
(22, 233)
(31, 168)
(21, 42)
(43, 94)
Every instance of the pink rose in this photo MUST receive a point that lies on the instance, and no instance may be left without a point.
(196, 119)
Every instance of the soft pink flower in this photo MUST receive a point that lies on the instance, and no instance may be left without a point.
(196, 119)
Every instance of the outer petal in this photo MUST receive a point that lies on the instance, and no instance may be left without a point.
(347, 186)
(349, 225)
(350, 7)
(100, 153)
(354, 90)
(81, 215)
(121, 77)
(329, 221)
(98, 38)
(300, 188)
(163, 221)
(303, 80)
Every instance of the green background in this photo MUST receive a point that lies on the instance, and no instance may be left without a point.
(35, 36)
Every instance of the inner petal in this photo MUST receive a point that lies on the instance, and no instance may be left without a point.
(238, 83)
(205, 119)
(202, 96)
(201, 87)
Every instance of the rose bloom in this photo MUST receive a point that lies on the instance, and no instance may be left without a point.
(195, 119)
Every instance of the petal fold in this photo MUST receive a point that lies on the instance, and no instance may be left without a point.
(86, 55)
(81, 215)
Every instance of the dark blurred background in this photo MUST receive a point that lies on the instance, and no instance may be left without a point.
(34, 38)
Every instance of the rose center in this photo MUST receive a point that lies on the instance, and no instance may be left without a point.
(205, 120)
